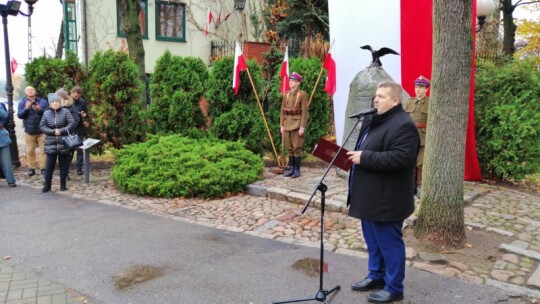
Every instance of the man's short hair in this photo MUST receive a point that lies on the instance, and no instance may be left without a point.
(77, 89)
(395, 88)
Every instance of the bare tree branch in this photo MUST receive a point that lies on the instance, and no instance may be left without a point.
(524, 3)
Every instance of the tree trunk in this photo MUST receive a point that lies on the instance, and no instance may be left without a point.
(130, 10)
(61, 42)
(509, 27)
(441, 215)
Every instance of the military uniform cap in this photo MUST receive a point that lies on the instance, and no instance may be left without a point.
(422, 81)
(296, 76)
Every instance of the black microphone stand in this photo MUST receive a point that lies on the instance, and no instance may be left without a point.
(322, 294)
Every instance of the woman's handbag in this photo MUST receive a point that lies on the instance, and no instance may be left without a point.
(72, 141)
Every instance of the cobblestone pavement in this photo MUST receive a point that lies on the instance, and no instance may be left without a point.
(270, 209)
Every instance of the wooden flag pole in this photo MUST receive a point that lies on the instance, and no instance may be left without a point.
(315, 87)
(264, 117)
(319, 77)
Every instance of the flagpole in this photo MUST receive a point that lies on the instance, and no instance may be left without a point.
(264, 117)
(319, 77)
(315, 86)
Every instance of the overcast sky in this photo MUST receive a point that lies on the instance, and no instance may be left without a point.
(46, 22)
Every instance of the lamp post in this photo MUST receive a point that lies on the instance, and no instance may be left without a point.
(239, 5)
(11, 8)
(483, 9)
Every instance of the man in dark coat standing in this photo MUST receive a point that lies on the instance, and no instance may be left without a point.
(381, 191)
(83, 122)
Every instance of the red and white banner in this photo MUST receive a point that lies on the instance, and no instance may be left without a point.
(330, 66)
(239, 65)
(13, 64)
(402, 25)
(209, 18)
(284, 73)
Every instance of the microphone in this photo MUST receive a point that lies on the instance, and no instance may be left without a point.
(364, 113)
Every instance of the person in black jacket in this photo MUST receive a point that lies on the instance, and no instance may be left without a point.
(67, 103)
(55, 124)
(84, 121)
(30, 110)
(381, 191)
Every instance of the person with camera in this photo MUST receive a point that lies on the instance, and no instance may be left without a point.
(82, 109)
(56, 123)
(30, 110)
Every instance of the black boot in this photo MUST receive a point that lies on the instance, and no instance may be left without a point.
(63, 184)
(46, 187)
(296, 172)
(290, 171)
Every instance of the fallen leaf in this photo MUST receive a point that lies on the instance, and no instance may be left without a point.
(69, 290)
(468, 245)
(7, 257)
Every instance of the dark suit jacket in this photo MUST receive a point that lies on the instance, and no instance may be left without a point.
(382, 185)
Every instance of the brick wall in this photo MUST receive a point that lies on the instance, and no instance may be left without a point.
(255, 50)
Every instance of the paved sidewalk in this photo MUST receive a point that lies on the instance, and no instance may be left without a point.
(22, 287)
(270, 210)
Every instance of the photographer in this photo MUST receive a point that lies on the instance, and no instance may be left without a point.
(30, 110)
(83, 122)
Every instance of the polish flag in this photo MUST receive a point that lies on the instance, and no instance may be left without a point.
(284, 74)
(406, 28)
(13, 64)
(208, 22)
(239, 65)
(330, 66)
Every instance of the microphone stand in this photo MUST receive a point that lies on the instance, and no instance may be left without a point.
(322, 294)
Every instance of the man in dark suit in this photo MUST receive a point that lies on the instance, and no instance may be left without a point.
(381, 191)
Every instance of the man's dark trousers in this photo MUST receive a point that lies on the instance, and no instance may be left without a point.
(386, 250)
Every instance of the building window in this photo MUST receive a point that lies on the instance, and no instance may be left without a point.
(170, 21)
(70, 26)
(143, 20)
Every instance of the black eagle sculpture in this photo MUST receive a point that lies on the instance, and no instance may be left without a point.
(376, 54)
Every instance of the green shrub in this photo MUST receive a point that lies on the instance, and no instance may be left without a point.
(508, 119)
(242, 123)
(47, 75)
(319, 110)
(236, 117)
(172, 166)
(114, 97)
(220, 94)
(176, 87)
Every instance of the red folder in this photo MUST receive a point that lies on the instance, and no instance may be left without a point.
(326, 151)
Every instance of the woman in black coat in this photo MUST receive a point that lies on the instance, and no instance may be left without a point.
(55, 123)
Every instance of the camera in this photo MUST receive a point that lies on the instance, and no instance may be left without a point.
(34, 103)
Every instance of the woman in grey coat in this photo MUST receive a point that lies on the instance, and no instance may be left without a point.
(55, 123)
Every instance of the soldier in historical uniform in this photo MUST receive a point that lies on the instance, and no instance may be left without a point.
(293, 120)
(417, 107)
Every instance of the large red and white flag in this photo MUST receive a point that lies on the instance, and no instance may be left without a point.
(13, 64)
(408, 29)
(239, 65)
(209, 18)
(330, 66)
(284, 74)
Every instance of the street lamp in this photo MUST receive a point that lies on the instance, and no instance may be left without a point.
(483, 9)
(239, 5)
(11, 8)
